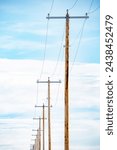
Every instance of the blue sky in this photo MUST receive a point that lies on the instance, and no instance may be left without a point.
(23, 27)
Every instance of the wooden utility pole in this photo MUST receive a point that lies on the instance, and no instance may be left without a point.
(49, 117)
(33, 146)
(39, 131)
(67, 85)
(43, 127)
(43, 124)
(36, 145)
(66, 90)
(49, 121)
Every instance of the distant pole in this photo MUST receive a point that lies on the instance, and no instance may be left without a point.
(49, 122)
(43, 127)
(43, 118)
(35, 145)
(39, 133)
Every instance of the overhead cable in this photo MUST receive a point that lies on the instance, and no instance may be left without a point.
(55, 68)
(94, 10)
(51, 6)
(82, 29)
(73, 5)
(45, 48)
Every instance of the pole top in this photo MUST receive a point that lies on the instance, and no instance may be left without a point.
(37, 81)
(67, 15)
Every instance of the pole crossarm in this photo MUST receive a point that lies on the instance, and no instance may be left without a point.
(34, 135)
(47, 81)
(70, 17)
(67, 16)
(39, 118)
(32, 139)
(42, 106)
(35, 129)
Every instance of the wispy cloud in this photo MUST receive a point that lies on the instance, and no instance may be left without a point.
(11, 43)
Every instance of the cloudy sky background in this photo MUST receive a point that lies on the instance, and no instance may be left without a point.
(19, 95)
(23, 28)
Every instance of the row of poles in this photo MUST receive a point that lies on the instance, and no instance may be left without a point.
(37, 145)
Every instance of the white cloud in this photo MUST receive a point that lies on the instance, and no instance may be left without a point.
(18, 97)
(10, 42)
(36, 28)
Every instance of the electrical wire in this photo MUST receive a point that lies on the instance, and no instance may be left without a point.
(34, 114)
(94, 10)
(44, 55)
(56, 66)
(59, 71)
(37, 94)
(90, 5)
(51, 6)
(45, 49)
(74, 41)
(36, 103)
(89, 12)
(73, 5)
(78, 44)
(57, 96)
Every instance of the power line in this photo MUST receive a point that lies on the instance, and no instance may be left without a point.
(74, 41)
(89, 11)
(73, 5)
(55, 68)
(78, 44)
(94, 10)
(46, 39)
(34, 114)
(45, 49)
(51, 6)
(57, 95)
(37, 95)
(82, 33)
(91, 5)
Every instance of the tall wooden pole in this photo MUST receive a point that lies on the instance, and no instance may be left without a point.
(43, 118)
(35, 145)
(39, 133)
(66, 90)
(66, 138)
(49, 121)
(43, 127)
